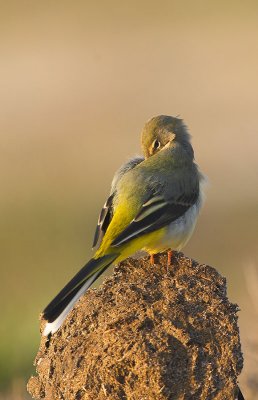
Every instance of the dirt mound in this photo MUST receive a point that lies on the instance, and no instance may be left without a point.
(148, 333)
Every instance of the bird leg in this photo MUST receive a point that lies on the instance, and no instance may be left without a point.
(170, 255)
(152, 259)
(169, 260)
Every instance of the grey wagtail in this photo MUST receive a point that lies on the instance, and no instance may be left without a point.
(153, 205)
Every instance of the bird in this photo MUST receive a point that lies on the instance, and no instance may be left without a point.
(154, 203)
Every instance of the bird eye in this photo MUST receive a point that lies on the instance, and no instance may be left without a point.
(156, 144)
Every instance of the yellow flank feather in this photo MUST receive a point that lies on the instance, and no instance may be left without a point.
(122, 217)
(147, 242)
(153, 242)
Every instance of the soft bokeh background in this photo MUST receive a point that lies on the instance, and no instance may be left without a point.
(77, 82)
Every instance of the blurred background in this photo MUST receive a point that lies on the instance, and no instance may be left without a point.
(77, 82)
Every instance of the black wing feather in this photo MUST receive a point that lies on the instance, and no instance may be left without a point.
(107, 211)
(163, 214)
(104, 220)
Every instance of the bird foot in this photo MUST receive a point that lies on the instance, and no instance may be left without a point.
(152, 259)
(170, 255)
(169, 259)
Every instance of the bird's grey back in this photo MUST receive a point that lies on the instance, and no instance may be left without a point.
(123, 170)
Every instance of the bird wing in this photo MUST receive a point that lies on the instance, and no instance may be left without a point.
(156, 213)
(107, 211)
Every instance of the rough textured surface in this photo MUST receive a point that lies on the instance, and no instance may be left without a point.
(148, 333)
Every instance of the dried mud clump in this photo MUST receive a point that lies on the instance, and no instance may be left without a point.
(150, 332)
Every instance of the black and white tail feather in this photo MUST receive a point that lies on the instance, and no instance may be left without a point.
(58, 309)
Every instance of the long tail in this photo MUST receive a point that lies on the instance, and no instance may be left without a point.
(57, 310)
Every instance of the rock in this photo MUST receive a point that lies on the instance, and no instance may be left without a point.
(149, 332)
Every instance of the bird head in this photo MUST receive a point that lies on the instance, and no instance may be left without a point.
(162, 132)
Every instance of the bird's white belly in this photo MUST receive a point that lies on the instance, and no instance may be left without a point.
(179, 232)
